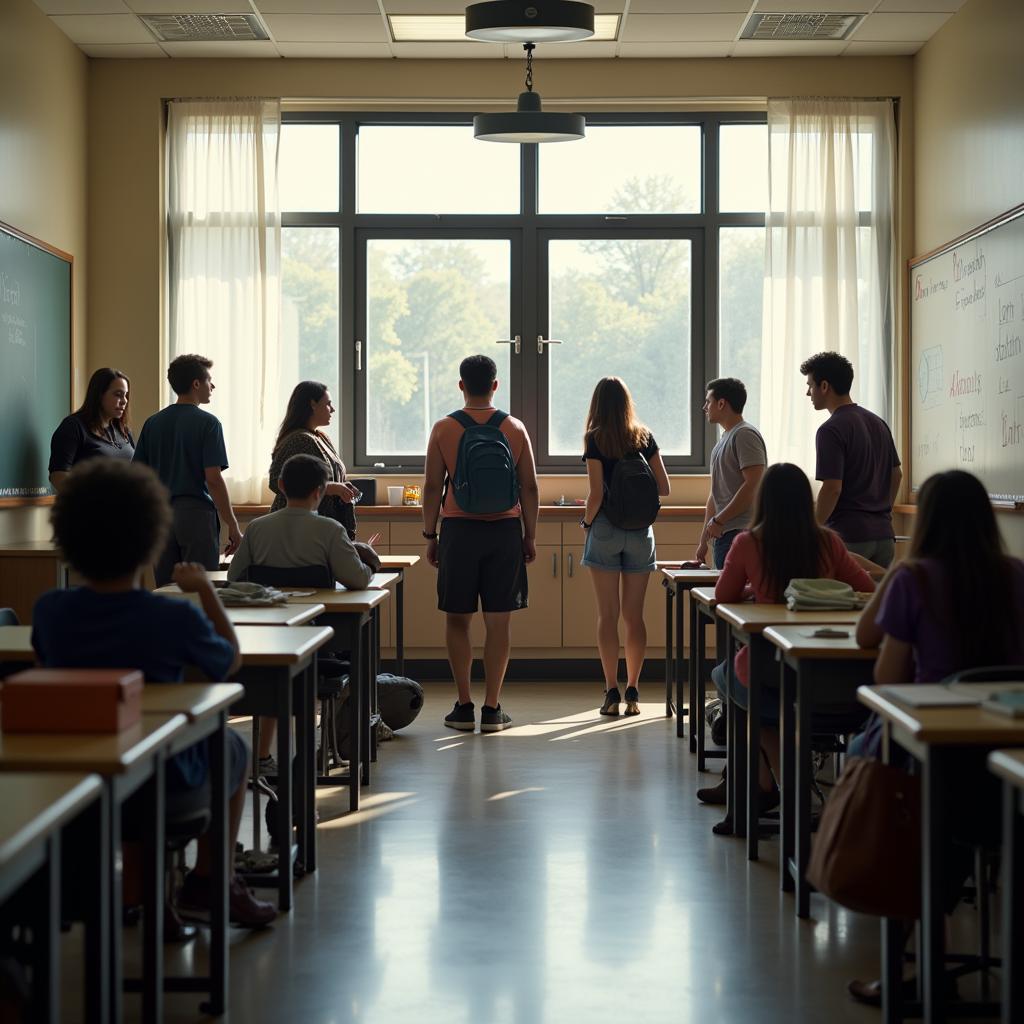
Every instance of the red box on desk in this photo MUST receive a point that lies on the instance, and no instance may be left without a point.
(71, 700)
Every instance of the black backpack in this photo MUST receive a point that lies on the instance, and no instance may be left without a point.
(631, 499)
(485, 480)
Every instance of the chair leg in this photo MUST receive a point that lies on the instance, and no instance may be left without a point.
(981, 878)
(255, 786)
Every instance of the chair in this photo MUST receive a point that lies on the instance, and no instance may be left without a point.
(319, 577)
(988, 674)
(9, 617)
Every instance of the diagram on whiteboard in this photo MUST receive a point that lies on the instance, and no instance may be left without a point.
(929, 377)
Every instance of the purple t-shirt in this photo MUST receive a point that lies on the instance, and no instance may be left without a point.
(855, 446)
(905, 616)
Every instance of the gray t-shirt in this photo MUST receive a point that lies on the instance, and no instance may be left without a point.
(738, 448)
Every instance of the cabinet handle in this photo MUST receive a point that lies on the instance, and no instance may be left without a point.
(359, 355)
(554, 565)
(570, 565)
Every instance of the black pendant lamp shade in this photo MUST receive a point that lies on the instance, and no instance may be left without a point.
(529, 122)
(520, 21)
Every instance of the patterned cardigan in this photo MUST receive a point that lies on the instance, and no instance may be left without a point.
(305, 442)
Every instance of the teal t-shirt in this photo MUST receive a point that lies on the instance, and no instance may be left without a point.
(180, 443)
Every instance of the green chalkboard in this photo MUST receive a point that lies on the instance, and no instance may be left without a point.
(35, 361)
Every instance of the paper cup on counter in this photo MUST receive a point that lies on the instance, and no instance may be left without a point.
(395, 494)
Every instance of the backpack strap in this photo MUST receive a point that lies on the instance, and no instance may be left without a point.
(463, 419)
(497, 419)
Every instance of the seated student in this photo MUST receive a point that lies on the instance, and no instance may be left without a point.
(111, 519)
(296, 536)
(785, 542)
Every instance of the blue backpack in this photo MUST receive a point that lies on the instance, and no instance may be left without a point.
(485, 480)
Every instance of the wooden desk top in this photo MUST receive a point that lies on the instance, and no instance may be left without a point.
(194, 700)
(398, 561)
(794, 640)
(31, 549)
(962, 726)
(271, 645)
(704, 596)
(1008, 765)
(698, 576)
(16, 643)
(337, 601)
(113, 753)
(751, 617)
(36, 804)
(384, 580)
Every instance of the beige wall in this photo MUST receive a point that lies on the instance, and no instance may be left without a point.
(43, 133)
(969, 135)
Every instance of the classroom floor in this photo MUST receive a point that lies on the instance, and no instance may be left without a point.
(562, 870)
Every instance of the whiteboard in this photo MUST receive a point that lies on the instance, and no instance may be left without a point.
(967, 358)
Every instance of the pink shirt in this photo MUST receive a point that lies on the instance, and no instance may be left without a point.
(744, 569)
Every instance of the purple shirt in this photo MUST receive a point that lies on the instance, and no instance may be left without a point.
(855, 446)
(904, 615)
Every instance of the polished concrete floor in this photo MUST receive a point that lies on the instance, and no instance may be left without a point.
(560, 871)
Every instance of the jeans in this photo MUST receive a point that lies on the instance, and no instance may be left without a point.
(720, 547)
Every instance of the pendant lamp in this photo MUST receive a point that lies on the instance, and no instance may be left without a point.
(522, 21)
(528, 122)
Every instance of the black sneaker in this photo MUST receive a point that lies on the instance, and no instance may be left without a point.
(461, 717)
(493, 719)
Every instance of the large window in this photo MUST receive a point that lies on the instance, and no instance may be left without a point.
(637, 252)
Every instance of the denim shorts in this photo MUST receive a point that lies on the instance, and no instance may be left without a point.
(608, 547)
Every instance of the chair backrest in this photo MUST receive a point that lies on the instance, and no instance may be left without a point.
(316, 576)
(9, 617)
(988, 674)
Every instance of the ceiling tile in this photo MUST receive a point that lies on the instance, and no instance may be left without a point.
(655, 28)
(330, 51)
(895, 28)
(683, 49)
(689, 6)
(82, 6)
(103, 28)
(797, 48)
(449, 51)
(247, 48)
(558, 51)
(190, 6)
(921, 6)
(815, 6)
(124, 51)
(316, 6)
(327, 28)
(904, 49)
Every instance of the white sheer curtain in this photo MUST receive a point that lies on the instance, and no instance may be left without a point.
(829, 261)
(224, 245)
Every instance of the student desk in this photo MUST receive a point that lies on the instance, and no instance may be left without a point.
(398, 564)
(274, 660)
(206, 708)
(677, 582)
(127, 761)
(702, 610)
(1009, 766)
(938, 738)
(818, 674)
(16, 645)
(747, 622)
(37, 807)
(254, 615)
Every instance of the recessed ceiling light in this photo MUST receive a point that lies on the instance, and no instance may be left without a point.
(451, 28)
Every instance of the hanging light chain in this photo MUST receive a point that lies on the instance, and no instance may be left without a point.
(528, 47)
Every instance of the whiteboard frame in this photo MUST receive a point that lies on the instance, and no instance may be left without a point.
(68, 258)
(912, 264)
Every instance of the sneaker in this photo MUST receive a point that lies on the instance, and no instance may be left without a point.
(715, 795)
(493, 719)
(244, 909)
(461, 717)
(267, 766)
(632, 701)
(611, 702)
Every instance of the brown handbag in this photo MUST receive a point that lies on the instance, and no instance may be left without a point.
(867, 851)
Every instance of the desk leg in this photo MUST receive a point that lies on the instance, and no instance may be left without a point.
(804, 773)
(668, 651)
(760, 669)
(737, 749)
(371, 736)
(116, 904)
(220, 868)
(695, 673)
(355, 730)
(305, 734)
(400, 623)
(697, 723)
(935, 775)
(1013, 895)
(153, 896)
(369, 684)
(787, 745)
(678, 668)
(42, 908)
(284, 793)
(92, 835)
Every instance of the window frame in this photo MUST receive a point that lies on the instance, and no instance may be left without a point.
(527, 228)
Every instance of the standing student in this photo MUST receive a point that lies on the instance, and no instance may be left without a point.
(856, 462)
(486, 494)
(737, 465)
(98, 428)
(620, 560)
(185, 446)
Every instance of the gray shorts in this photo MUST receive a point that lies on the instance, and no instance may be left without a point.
(194, 537)
(881, 552)
(608, 547)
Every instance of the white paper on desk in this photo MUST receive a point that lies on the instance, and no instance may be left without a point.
(299, 593)
(931, 695)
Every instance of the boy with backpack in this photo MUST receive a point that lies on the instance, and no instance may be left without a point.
(481, 479)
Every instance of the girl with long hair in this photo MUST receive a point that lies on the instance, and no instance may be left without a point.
(620, 561)
(783, 543)
(97, 428)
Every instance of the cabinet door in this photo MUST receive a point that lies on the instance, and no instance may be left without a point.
(540, 624)
(579, 606)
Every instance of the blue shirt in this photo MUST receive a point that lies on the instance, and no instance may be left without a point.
(81, 628)
(180, 443)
